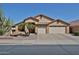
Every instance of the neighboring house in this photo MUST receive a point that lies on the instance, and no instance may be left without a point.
(44, 25)
(74, 26)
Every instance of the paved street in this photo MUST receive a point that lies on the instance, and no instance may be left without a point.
(39, 49)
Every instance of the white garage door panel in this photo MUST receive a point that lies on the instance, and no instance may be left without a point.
(41, 30)
(56, 29)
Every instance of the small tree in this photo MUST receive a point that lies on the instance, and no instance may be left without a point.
(26, 27)
(21, 27)
(30, 26)
(5, 23)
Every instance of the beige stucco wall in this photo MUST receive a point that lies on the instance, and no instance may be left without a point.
(67, 29)
(43, 19)
(58, 24)
(36, 29)
(16, 30)
(47, 29)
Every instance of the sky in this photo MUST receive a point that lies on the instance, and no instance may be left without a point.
(19, 11)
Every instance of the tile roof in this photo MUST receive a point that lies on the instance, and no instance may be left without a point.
(34, 18)
(44, 16)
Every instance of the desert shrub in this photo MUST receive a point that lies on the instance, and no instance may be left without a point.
(21, 27)
(1, 32)
(76, 33)
(5, 24)
(30, 26)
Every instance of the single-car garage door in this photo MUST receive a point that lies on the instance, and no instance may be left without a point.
(56, 29)
(41, 30)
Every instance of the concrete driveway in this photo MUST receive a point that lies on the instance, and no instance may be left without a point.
(58, 39)
(50, 39)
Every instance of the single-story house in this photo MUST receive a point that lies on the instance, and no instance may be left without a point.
(74, 26)
(44, 25)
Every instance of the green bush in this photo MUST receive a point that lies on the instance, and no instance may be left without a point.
(1, 32)
(21, 27)
(5, 23)
(76, 33)
(30, 26)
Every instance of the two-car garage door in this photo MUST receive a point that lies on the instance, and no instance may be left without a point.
(56, 29)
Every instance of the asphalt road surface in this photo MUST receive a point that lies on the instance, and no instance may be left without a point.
(39, 49)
